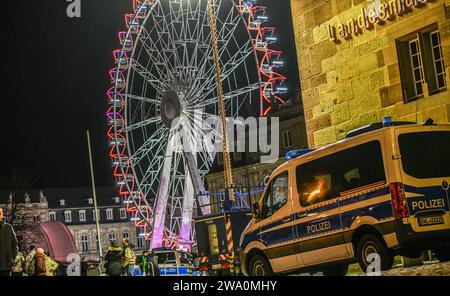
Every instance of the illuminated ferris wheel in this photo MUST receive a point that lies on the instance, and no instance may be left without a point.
(164, 87)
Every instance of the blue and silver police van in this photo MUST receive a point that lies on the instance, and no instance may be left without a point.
(383, 190)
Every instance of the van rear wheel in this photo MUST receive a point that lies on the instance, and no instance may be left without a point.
(443, 254)
(370, 244)
(259, 266)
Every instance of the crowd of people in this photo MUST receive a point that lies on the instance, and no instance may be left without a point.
(12, 261)
(121, 261)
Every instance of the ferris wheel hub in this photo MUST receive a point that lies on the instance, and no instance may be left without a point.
(170, 107)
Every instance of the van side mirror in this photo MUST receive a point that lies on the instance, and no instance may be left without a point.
(256, 211)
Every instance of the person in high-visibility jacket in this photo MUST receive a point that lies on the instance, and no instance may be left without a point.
(128, 258)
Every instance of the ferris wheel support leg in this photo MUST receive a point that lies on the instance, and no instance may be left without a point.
(162, 198)
(188, 207)
(194, 175)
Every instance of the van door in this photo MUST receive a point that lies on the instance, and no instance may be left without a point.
(277, 232)
(425, 175)
(318, 224)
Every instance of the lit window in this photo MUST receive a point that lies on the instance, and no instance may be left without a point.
(287, 140)
(140, 239)
(94, 216)
(84, 243)
(438, 59)
(417, 66)
(52, 216)
(112, 237)
(82, 215)
(123, 213)
(421, 64)
(109, 214)
(116, 199)
(68, 216)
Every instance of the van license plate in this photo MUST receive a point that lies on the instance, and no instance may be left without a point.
(427, 221)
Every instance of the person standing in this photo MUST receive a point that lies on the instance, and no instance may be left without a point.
(39, 263)
(19, 265)
(142, 262)
(8, 246)
(29, 261)
(51, 266)
(128, 258)
(84, 266)
(113, 259)
(153, 267)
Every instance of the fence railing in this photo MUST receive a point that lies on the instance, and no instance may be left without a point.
(233, 198)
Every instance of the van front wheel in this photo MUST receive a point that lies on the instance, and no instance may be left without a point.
(369, 245)
(259, 266)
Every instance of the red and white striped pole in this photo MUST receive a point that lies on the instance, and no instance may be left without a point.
(229, 231)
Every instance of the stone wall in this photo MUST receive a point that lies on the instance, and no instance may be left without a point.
(356, 81)
(90, 231)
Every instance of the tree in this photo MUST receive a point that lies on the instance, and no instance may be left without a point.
(24, 218)
(22, 215)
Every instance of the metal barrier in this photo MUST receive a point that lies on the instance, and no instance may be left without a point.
(233, 198)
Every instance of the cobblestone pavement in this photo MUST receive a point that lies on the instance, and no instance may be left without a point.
(433, 269)
(429, 268)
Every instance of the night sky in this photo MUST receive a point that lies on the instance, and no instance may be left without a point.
(54, 82)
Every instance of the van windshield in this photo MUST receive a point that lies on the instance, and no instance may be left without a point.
(426, 155)
(163, 258)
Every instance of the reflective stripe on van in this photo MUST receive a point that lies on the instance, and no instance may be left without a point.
(348, 209)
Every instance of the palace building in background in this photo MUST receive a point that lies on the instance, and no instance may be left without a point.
(74, 207)
(362, 60)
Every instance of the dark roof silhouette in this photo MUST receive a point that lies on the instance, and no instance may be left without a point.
(73, 197)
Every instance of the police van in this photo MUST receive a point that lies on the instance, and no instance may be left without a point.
(382, 190)
(173, 262)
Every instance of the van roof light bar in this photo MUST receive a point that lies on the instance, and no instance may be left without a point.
(376, 126)
(297, 153)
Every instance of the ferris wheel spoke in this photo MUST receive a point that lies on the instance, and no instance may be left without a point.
(167, 29)
(225, 34)
(230, 95)
(143, 99)
(227, 69)
(141, 124)
(153, 170)
(156, 83)
(149, 144)
(160, 60)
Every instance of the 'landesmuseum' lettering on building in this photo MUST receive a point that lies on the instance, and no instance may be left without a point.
(371, 16)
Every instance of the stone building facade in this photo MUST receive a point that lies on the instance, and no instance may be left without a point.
(363, 60)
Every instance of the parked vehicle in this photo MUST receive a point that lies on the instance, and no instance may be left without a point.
(173, 262)
(218, 233)
(383, 190)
